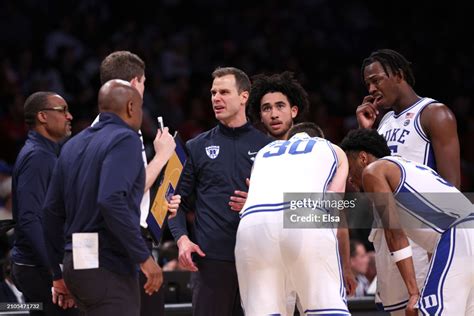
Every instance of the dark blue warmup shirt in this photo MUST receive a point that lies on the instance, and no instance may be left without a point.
(97, 186)
(219, 162)
(31, 176)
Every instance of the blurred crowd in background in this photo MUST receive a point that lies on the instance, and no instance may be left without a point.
(58, 45)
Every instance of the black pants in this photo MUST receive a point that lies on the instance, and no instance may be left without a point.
(216, 289)
(35, 283)
(150, 305)
(100, 292)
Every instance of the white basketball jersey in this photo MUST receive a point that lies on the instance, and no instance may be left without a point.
(405, 136)
(424, 195)
(300, 164)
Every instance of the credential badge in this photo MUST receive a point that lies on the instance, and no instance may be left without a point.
(212, 151)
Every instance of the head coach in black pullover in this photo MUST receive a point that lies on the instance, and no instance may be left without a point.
(96, 188)
(219, 162)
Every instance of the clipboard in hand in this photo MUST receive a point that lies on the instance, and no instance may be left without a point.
(168, 184)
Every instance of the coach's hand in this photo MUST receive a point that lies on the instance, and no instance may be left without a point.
(367, 112)
(153, 274)
(186, 248)
(173, 205)
(239, 198)
(60, 294)
(164, 144)
(412, 309)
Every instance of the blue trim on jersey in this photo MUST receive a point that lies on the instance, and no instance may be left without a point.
(433, 206)
(264, 210)
(327, 314)
(430, 159)
(333, 167)
(408, 109)
(342, 288)
(432, 293)
(418, 127)
(469, 218)
(423, 209)
(328, 311)
(394, 307)
(265, 205)
(402, 171)
(421, 219)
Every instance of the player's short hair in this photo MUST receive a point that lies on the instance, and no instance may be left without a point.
(34, 104)
(368, 140)
(242, 81)
(309, 128)
(284, 83)
(121, 65)
(392, 63)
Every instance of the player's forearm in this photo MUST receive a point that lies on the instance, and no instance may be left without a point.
(344, 249)
(407, 271)
(153, 169)
(397, 242)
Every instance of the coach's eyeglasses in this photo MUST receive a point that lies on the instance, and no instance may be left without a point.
(63, 109)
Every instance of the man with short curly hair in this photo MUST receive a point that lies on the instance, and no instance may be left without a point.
(277, 101)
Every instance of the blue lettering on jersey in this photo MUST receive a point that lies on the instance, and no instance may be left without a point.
(393, 135)
(393, 149)
(436, 175)
(294, 148)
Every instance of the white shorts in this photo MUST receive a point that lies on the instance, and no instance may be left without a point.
(273, 262)
(449, 287)
(391, 292)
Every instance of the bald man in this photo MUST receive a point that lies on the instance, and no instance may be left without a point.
(94, 198)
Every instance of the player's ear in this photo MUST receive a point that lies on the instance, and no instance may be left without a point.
(363, 157)
(294, 111)
(399, 75)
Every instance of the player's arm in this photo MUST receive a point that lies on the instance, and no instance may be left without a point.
(382, 177)
(338, 184)
(344, 251)
(164, 145)
(439, 124)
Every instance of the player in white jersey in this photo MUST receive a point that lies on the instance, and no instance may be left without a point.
(420, 196)
(272, 261)
(419, 129)
(276, 103)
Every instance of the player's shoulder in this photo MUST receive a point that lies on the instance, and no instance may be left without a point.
(433, 106)
(438, 113)
(380, 166)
